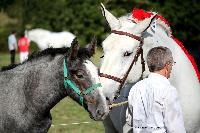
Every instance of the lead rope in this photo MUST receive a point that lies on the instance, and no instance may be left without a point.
(117, 104)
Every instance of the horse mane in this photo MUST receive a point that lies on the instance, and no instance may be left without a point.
(82, 54)
(48, 51)
(36, 55)
(9, 67)
(161, 21)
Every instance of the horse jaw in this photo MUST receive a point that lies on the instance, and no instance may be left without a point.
(113, 22)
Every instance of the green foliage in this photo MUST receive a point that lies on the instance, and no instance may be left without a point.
(183, 17)
(67, 112)
(84, 18)
(4, 3)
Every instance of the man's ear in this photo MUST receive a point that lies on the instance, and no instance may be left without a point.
(168, 66)
(91, 48)
(74, 49)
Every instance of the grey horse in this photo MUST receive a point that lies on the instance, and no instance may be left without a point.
(31, 89)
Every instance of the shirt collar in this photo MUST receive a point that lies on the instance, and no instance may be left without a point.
(159, 77)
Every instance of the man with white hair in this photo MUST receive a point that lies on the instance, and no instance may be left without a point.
(153, 102)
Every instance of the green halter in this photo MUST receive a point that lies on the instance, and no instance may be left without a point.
(77, 90)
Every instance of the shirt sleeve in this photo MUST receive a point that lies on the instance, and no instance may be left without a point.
(173, 117)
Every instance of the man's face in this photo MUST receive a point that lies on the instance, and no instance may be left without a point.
(168, 68)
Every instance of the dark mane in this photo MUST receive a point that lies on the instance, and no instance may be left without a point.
(48, 51)
(37, 54)
(82, 54)
(9, 67)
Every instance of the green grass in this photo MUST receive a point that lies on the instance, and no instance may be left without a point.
(67, 111)
(5, 59)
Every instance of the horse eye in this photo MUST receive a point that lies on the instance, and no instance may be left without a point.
(127, 53)
(102, 56)
(79, 75)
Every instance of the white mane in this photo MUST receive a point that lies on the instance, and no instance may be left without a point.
(44, 38)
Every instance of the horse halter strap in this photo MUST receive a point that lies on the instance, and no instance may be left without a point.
(77, 90)
(138, 53)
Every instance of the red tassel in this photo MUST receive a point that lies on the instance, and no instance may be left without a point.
(140, 14)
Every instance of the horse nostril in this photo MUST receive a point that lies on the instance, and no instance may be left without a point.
(107, 99)
(99, 113)
(115, 97)
(98, 71)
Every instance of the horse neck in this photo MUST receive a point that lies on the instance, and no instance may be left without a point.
(45, 85)
(183, 64)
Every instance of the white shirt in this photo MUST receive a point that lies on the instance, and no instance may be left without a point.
(155, 107)
(12, 42)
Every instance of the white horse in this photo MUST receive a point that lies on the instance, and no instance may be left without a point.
(120, 48)
(45, 39)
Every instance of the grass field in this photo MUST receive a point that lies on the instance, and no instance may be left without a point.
(67, 111)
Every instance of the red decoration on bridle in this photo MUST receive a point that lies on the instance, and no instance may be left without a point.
(140, 14)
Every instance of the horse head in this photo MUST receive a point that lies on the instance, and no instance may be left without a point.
(121, 48)
(84, 74)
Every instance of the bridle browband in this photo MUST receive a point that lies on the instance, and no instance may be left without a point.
(127, 34)
(138, 53)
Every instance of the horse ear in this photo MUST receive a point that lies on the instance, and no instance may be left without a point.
(143, 25)
(113, 22)
(74, 49)
(92, 46)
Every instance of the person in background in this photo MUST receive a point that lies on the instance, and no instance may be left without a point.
(153, 102)
(12, 46)
(23, 44)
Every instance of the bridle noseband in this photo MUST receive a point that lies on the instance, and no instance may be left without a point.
(138, 53)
